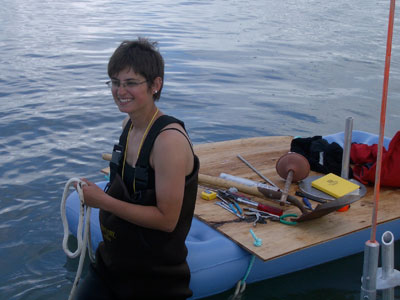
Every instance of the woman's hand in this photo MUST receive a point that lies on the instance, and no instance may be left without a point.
(93, 195)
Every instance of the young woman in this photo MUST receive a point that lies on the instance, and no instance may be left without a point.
(146, 213)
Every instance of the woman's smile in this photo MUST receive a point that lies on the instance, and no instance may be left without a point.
(124, 100)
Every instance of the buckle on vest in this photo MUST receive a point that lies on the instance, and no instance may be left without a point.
(116, 154)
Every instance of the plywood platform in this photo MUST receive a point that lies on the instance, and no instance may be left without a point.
(279, 239)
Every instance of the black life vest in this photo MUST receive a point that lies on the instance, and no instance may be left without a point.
(143, 263)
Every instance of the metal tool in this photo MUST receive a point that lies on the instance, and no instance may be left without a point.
(229, 203)
(263, 214)
(256, 214)
(245, 200)
(237, 207)
(228, 208)
(307, 203)
(231, 200)
(309, 196)
(260, 218)
(278, 195)
(256, 171)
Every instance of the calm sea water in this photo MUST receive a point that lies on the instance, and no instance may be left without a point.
(234, 69)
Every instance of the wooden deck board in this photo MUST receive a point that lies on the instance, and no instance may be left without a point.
(279, 239)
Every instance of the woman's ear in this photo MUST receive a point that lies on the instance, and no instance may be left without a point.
(157, 84)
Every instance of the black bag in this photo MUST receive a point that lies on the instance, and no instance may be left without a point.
(117, 189)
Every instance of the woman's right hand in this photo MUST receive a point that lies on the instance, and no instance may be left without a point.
(94, 196)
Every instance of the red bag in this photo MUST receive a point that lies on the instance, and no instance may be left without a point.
(364, 158)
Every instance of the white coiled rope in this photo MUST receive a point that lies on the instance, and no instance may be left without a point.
(83, 241)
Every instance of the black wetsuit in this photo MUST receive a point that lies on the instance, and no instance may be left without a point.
(140, 263)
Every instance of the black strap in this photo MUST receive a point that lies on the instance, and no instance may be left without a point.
(118, 152)
(155, 130)
(125, 132)
(185, 135)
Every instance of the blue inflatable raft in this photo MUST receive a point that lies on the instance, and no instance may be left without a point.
(217, 263)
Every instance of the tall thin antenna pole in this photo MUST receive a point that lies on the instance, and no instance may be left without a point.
(382, 121)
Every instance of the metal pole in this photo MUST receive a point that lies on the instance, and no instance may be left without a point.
(387, 254)
(256, 171)
(387, 263)
(371, 255)
(388, 294)
(347, 147)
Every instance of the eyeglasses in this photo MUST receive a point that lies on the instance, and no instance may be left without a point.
(114, 84)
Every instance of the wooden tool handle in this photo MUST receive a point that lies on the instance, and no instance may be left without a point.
(216, 181)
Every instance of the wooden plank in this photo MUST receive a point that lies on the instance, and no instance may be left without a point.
(279, 239)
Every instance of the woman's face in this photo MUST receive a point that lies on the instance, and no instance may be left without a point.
(131, 91)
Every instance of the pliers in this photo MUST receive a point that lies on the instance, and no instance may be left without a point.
(228, 206)
(230, 202)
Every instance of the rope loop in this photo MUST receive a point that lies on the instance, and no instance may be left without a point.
(77, 252)
(83, 239)
(241, 285)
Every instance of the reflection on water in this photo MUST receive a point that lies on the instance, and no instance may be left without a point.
(233, 69)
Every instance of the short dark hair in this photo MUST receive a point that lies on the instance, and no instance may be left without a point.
(142, 57)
